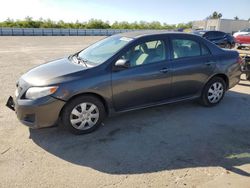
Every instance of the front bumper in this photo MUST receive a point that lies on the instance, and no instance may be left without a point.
(39, 113)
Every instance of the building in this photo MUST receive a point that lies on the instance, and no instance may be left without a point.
(225, 25)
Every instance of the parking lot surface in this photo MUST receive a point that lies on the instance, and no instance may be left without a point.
(177, 145)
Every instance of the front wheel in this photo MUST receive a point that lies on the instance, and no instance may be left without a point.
(83, 114)
(213, 92)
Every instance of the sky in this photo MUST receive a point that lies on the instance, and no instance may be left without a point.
(165, 11)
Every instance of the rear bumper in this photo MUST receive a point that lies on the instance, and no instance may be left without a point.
(39, 113)
(243, 44)
(234, 75)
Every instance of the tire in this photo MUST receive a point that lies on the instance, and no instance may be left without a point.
(228, 46)
(209, 98)
(83, 114)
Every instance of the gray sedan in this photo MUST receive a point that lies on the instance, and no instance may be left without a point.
(121, 73)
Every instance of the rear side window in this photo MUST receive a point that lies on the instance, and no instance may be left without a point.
(205, 50)
(185, 48)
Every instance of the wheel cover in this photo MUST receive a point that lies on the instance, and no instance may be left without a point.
(228, 46)
(84, 116)
(215, 92)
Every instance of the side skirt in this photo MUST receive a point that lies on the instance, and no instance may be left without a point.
(154, 105)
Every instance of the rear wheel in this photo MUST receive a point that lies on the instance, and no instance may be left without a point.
(213, 92)
(228, 46)
(83, 114)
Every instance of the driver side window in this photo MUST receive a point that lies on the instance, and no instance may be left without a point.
(145, 53)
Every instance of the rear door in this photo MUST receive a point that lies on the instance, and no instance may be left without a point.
(192, 64)
(147, 80)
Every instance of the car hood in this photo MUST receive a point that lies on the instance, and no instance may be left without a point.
(240, 33)
(57, 71)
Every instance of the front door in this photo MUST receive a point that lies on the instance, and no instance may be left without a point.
(147, 80)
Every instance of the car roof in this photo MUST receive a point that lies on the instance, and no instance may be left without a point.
(138, 34)
(216, 31)
(206, 31)
(200, 30)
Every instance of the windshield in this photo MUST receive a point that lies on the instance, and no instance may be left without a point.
(104, 49)
(245, 30)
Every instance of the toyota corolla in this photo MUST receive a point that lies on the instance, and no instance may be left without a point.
(121, 73)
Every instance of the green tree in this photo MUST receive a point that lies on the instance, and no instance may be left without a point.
(236, 18)
(184, 26)
(168, 27)
(215, 15)
(154, 25)
(28, 22)
(97, 24)
(9, 23)
(48, 24)
(121, 25)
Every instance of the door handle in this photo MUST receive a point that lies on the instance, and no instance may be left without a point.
(164, 70)
(209, 63)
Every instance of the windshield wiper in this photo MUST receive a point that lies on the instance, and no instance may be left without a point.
(81, 60)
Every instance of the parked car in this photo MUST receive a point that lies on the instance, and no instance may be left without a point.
(224, 40)
(242, 32)
(246, 65)
(121, 73)
(243, 41)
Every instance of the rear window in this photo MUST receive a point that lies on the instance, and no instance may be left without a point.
(219, 34)
(205, 50)
(213, 34)
(209, 34)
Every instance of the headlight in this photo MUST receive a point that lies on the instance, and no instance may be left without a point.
(16, 92)
(38, 92)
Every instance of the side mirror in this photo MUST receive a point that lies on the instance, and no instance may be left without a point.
(122, 64)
